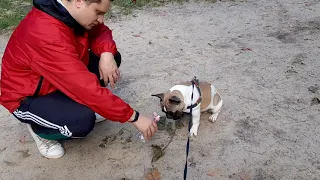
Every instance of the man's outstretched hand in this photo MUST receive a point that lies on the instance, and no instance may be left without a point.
(147, 126)
(108, 69)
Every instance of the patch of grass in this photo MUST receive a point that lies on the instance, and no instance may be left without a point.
(12, 12)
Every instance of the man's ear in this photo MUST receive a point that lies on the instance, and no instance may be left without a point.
(160, 95)
(175, 100)
(78, 3)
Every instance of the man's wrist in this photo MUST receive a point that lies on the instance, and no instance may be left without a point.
(134, 117)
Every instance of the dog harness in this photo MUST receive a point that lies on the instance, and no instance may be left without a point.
(195, 82)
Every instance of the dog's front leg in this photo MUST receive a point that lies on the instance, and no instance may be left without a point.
(195, 122)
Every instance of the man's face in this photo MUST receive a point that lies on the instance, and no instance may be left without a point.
(89, 15)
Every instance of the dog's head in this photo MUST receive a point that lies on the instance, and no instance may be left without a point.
(171, 103)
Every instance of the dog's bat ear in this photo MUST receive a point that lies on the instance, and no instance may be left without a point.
(175, 100)
(161, 96)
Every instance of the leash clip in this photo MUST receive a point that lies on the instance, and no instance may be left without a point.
(195, 81)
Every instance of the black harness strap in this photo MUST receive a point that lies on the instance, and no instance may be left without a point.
(38, 87)
(195, 82)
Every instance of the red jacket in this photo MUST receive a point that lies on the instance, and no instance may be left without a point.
(42, 45)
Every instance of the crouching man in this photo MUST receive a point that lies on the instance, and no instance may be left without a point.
(54, 72)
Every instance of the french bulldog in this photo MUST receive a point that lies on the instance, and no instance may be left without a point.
(177, 101)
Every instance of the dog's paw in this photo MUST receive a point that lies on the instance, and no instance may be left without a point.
(213, 117)
(194, 131)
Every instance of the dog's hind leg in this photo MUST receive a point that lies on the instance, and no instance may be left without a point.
(215, 112)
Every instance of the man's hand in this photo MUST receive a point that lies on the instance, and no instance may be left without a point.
(147, 126)
(108, 69)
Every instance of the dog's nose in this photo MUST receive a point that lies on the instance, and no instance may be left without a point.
(176, 118)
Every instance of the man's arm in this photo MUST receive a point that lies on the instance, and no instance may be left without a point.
(59, 64)
(101, 40)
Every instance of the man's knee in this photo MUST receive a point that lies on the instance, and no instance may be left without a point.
(84, 123)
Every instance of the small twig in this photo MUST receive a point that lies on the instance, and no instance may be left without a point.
(242, 97)
(171, 138)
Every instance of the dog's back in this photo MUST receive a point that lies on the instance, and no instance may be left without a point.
(206, 93)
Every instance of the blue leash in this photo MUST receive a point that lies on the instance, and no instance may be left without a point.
(189, 127)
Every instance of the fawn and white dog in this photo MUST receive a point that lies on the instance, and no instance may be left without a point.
(177, 101)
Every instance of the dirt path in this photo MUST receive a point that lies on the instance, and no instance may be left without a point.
(262, 55)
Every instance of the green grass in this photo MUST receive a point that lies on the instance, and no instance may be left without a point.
(12, 12)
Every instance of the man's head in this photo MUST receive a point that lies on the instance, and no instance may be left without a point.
(87, 13)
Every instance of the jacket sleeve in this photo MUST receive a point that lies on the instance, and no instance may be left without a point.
(59, 64)
(101, 40)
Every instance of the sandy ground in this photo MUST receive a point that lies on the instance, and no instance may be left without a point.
(262, 55)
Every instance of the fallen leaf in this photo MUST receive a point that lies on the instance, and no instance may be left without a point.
(307, 4)
(215, 172)
(153, 175)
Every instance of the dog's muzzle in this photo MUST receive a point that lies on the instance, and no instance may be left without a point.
(174, 116)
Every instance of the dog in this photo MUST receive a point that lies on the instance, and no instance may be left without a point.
(177, 101)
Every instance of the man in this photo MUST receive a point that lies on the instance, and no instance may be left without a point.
(51, 69)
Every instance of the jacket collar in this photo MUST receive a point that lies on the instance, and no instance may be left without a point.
(56, 10)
